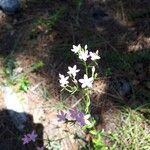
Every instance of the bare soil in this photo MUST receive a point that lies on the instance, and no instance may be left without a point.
(122, 32)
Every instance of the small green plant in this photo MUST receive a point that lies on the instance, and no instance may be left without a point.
(53, 144)
(23, 84)
(97, 141)
(36, 66)
(19, 78)
(9, 65)
(132, 132)
(108, 71)
(46, 24)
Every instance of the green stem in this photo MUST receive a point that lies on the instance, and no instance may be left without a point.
(86, 68)
(87, 103)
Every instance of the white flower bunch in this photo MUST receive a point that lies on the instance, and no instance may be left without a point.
(86, 82)
(84, 54)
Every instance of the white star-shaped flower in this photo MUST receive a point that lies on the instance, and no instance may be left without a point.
(86, 82)
(93, 69)
(73, 71)
(94, 56)
(86, 119)
(63, 80)
(83, 55)
(76, 49)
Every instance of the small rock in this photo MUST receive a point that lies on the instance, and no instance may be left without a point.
(10, 6)
(99, 14)
(15, 108)
(122, 87)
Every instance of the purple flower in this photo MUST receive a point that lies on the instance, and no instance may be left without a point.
(26, 140)
(80, 118)
(32, 136)
(73, 113)
(40, 148)
(62, 116)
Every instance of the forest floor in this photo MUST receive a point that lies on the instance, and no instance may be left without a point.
(35, 47)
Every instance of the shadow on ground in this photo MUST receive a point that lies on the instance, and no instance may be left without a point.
(11, 137)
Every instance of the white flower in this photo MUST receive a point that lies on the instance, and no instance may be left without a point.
(73, 70)
(76, 49)
(93, 69)
(94, 56)
(83, 55)
(86, 119)
(63, 80)
(86, 82)
(85, 47)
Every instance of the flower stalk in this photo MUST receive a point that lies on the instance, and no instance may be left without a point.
(84, 86)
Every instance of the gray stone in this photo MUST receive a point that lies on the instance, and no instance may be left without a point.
(15, 107)
(10, 6)
(99, 14)
(122, 87)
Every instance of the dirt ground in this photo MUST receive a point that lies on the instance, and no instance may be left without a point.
(120, 31)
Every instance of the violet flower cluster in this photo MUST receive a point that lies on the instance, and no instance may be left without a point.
(31, 137)
(75, 115)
